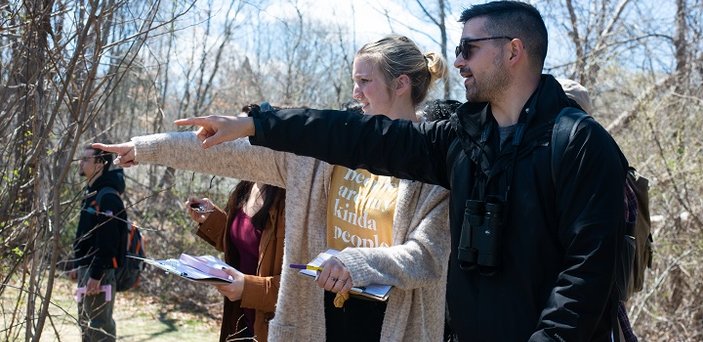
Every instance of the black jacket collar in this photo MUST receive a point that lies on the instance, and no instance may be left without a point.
(473, 120)
(112, 178)
(477, 131)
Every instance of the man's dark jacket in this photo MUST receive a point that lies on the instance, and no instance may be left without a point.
(560, 240)
(101, 240)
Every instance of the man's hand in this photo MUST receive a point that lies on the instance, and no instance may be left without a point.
(232, 291)
(334, 277)
(216, 129)
(92, 287)
(124, 151)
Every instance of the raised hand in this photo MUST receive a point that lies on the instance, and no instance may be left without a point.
(124, 151)
(216, 129)
(199, 208)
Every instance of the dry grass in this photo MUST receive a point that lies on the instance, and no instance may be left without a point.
(139, 317)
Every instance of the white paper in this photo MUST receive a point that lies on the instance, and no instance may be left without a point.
(177, 267)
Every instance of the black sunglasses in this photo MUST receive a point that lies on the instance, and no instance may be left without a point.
(464, 43)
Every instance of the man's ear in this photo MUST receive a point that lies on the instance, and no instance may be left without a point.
(402, 84)
(101, 163)
(517, 50)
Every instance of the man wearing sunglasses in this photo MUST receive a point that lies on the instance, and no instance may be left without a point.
(100, 244)
(533, 256)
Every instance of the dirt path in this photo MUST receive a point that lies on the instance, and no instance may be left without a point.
(139, 318)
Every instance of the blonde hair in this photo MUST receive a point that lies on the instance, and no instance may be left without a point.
(398, 55)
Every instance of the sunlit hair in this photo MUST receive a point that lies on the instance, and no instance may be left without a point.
(398, 55)
(514, 19)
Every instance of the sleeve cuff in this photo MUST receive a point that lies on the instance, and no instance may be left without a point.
(355, 262)
(253, 292)
(259, 114)
(259, 136)
(143, 149)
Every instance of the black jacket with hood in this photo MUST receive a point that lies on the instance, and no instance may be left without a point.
(560, 238)
(101, 240)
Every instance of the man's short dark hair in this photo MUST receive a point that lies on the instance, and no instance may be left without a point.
(514, 19)
(101, 156)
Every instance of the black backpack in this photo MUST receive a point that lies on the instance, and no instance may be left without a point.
(127, 274)
(636, 254)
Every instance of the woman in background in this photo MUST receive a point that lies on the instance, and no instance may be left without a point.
(250, 233)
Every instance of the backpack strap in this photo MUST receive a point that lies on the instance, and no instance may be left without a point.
(104, 191)
(98, 199)
(563, 132)
(94, 207)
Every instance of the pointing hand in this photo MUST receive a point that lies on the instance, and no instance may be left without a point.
(216, 129)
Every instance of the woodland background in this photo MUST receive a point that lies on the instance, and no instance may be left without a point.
(73, 72)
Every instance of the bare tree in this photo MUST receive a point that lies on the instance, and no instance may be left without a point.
(641, 69)
(206, 71)
(52, 90)
(436, 14)
(439, 21)
(79, 71)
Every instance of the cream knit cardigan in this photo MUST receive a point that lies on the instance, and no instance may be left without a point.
(416, 265)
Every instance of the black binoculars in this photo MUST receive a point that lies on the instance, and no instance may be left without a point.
(481, 235)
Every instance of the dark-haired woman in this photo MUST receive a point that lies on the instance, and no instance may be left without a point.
(250, 233)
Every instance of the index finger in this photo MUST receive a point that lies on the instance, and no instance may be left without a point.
(196, 121)
(322, 276)
(114, 148)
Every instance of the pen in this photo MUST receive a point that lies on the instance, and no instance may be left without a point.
(306, 267)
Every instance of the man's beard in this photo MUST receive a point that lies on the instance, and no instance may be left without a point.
(493, 86)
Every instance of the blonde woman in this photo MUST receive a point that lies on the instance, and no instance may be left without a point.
(389, 230)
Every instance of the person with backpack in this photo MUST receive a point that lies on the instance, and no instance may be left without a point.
(100, 244)
(531, 259)
(250, 232)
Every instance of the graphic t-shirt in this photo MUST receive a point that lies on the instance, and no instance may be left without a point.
(360, 212)
(360, 209)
